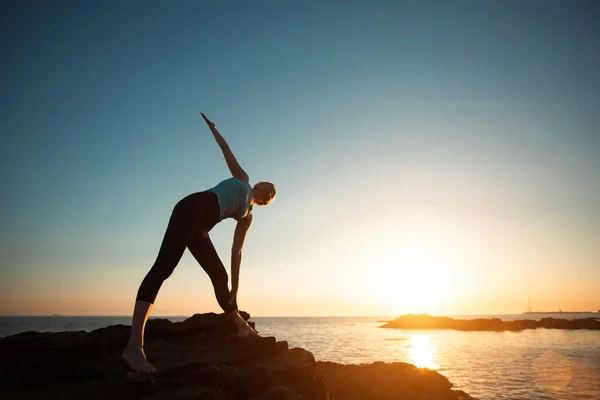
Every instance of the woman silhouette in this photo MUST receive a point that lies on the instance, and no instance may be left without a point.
(191, 220)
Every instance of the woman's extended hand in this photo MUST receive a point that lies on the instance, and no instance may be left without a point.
(208, 121)
(232, 163)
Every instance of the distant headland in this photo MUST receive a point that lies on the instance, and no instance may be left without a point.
(424, 321)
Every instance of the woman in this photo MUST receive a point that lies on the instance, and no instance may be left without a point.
(191, 220)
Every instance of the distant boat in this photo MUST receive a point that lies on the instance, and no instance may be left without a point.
(56, 315)
(554, 312)
(560, 312)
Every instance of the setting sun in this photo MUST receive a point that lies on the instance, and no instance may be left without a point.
(415, 270)
(413, 285)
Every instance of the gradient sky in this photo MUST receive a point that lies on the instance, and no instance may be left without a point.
(437, 157)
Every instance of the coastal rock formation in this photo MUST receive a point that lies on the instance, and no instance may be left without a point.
(198, 358)
(424, 321)
(383, 381)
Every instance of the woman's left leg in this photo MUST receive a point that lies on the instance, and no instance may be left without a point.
(172, 248)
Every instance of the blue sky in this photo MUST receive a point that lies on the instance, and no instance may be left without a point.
(458, 139)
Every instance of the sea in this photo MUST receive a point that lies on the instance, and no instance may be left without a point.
(530, 365)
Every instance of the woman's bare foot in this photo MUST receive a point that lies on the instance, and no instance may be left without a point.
(247, 331)
(136, 359)
(243, 328)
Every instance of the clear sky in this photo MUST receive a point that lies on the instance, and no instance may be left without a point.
(438, 157)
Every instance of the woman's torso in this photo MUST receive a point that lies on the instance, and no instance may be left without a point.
(234, 196)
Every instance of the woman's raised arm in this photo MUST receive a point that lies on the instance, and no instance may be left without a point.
(232, 163)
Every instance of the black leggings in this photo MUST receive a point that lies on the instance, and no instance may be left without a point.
(191, 220)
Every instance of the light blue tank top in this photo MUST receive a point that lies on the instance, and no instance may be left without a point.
(234, 198)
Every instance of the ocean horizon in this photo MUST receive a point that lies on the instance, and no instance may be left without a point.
(14, 324)
(563, 314)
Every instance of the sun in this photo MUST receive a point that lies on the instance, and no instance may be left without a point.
(414, 281)
(413, 265)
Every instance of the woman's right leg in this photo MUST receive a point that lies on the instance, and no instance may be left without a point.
(171, 250)
(205, 253)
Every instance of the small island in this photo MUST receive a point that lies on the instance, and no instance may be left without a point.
(424, 321)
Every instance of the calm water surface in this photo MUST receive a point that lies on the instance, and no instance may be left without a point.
(531, 364)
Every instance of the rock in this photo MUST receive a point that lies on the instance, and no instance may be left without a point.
(387, 381)
(279, 393)
(424, 321)
(199, 358)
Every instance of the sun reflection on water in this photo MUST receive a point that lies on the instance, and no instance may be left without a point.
(421, 352)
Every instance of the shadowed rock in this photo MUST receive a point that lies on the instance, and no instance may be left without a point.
(199, 358)
(425, 321)
(387, 381)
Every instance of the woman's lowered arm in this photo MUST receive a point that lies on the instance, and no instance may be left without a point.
(236, 252)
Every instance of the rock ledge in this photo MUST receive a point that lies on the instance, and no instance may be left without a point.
(198, 359)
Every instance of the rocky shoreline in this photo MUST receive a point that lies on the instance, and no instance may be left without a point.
(198, 358)
(424, 321)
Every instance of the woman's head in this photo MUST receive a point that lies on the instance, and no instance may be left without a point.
(263, 193)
